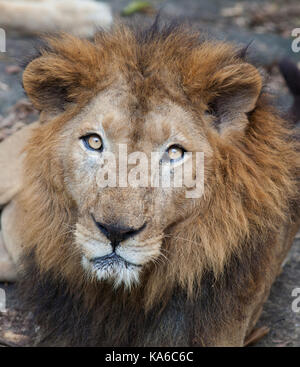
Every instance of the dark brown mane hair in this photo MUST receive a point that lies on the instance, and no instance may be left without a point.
(249, 190)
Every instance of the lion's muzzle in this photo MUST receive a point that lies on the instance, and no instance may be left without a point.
(117, 233)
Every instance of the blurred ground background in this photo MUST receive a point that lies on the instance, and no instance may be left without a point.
(268, 24)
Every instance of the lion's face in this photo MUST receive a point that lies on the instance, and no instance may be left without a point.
(152, 102)
(120, 229)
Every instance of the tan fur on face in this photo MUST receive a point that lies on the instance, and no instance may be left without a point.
(136, 88)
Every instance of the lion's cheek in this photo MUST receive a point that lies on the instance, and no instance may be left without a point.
(141, 253)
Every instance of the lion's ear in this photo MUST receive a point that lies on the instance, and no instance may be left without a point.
(48, 82)
(65, 71)
(233, 92)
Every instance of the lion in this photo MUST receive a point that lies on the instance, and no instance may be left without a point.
(146, 265)
(79, 17)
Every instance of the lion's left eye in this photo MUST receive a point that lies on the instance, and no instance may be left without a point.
(175, 152)
(93, 141)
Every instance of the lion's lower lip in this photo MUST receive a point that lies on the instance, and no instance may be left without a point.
(111, 259)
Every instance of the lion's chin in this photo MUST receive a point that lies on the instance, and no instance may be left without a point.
(113, 268)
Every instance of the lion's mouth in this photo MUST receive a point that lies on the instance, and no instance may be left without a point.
(111, 260)
(114, 267)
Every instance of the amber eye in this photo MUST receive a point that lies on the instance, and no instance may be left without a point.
(93, 142)
(175, 152)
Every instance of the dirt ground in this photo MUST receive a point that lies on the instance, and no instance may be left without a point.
(268, 24)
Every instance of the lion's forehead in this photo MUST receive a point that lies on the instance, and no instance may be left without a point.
(116, 113)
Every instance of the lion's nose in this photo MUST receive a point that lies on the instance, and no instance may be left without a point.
(117, 233)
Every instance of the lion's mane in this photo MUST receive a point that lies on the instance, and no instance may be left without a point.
(249, 194)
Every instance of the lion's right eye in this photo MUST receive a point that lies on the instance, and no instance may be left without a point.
(93, 141)
(175, 153)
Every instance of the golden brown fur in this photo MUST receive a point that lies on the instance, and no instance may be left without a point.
(233, 237)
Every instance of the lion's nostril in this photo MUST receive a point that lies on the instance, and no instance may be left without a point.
(117, 233)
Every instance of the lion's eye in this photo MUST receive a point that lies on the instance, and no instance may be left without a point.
(93, 142)
(175, 152)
